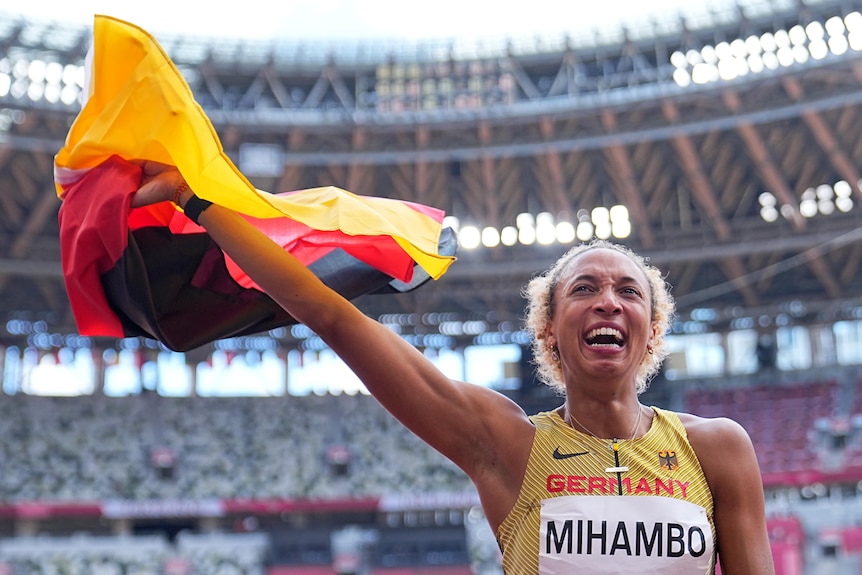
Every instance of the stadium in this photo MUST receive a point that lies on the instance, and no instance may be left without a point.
(721, 145)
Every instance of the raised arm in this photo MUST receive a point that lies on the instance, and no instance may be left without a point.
(478, 429)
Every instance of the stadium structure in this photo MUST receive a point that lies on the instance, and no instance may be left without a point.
(723, 146)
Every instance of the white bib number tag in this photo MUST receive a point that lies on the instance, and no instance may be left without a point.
(605, 535)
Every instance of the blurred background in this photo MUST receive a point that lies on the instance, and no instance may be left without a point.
(719, 140)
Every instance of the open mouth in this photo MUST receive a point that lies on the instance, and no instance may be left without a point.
(607, 337)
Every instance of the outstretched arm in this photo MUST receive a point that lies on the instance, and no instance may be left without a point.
(481, 431)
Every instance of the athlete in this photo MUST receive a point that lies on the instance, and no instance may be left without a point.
(603, 484)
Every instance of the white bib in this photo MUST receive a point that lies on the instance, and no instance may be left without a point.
(613, 535)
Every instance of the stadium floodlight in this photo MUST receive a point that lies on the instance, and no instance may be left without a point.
(766, 199)
(723, 51)
(769, 214)
(838, 45)
(621, 229)
(546, 229)
(36, 70)
(824, 199)
(565, 232)
(797, 35)
(753, 45)
(546, 232)
(21, 68)
(71, 75)
(584, 230)
(452, 222)
(527, 236)
(842, 189)
(546, 235)
(814, 30)
(708, 54)
(600, 215)
(755, 63)
(678, 60)
(525, 220)
(35, 91)
(824, 192)
(706, 73)
(785, 56)
(818, 49)
(54, 73)
(18, 89)
(844, 204)
(490, 237)
(681, 78)
(788, 212)
(52, 93)
(731, 59)
(603, 230)
(853, 22)
(621, 226)
(808, 205)
(618, 213)
(768, 43)
(509, 236)
(738, 48)
(470, 237)
(69, 95)
(835, 26)
(693, 57)
(544, 219)
(843, 193)
(727, 69)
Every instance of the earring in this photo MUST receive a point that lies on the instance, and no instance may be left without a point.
(555, 355)
(649, 349)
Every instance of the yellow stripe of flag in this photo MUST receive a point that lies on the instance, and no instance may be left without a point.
(138, 106)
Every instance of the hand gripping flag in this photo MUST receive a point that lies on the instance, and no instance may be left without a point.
(150, 271)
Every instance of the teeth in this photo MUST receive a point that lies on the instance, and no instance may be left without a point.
(605, 337)
(605, 331)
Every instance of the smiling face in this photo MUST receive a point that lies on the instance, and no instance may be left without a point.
(602, 317)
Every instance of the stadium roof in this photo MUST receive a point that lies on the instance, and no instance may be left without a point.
(718, 155)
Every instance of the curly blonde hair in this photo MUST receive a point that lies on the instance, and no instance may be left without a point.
(539, 293)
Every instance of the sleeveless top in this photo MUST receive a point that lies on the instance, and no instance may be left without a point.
(571, 518)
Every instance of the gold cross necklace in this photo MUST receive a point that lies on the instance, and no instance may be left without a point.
(614, 445)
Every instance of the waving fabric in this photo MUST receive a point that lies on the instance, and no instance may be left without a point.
(151, 271)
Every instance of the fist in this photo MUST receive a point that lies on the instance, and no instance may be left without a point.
(159, 182)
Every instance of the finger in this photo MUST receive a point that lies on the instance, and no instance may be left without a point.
(153, 170)
(159, 188)
(152, 167)
(148, 193)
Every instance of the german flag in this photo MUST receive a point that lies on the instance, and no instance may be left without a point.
(152, 272)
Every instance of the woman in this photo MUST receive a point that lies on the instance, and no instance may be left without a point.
(603, 484)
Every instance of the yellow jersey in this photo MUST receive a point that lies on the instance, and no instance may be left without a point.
(585, 507)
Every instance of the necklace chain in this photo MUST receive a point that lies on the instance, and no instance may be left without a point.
(589, 431)
(615, 446)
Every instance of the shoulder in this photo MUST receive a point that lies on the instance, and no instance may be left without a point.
(723, 447)
(544, 419)
(714, 434)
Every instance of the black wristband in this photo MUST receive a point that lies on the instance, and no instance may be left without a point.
(195, 207)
